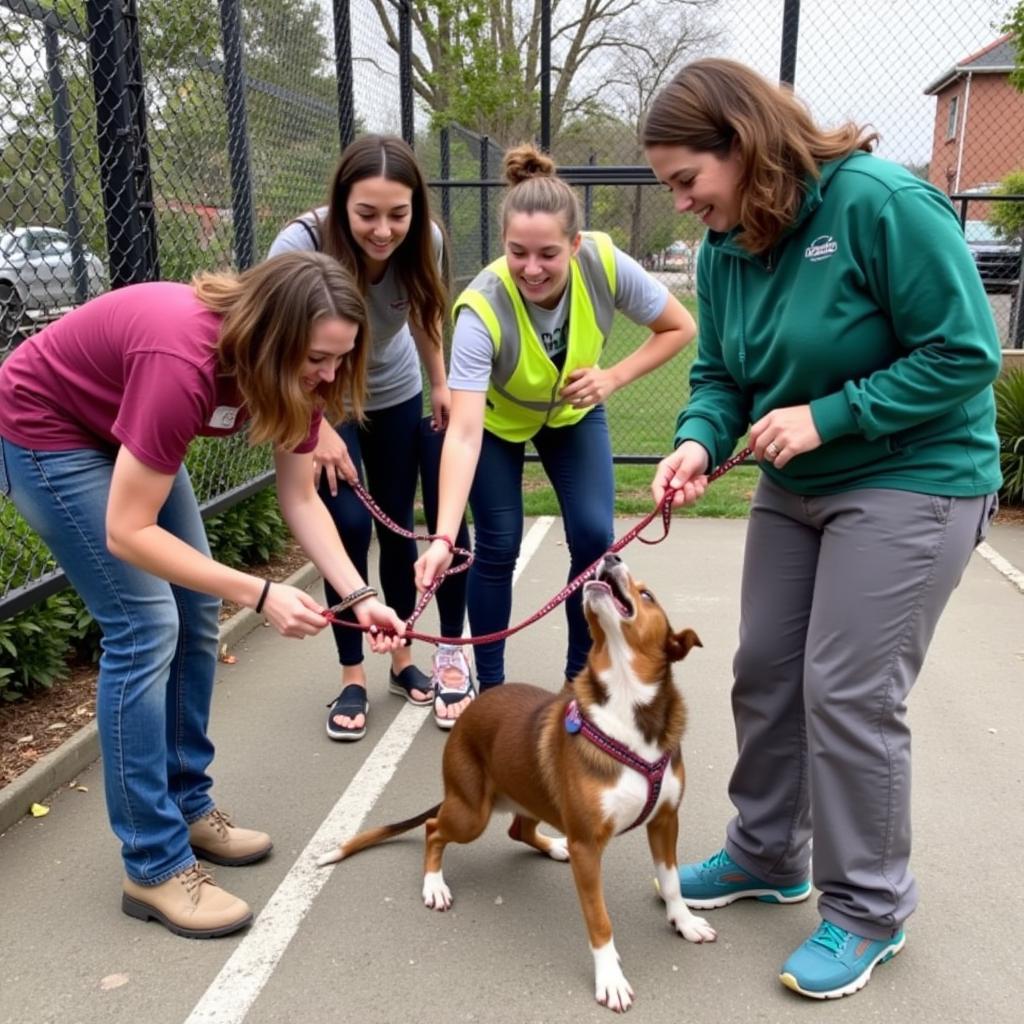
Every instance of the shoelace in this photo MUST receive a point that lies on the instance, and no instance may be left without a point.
(193, 878)
(220, 821)
(717, 860)
(831, 937)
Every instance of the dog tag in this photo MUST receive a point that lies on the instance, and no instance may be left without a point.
(573, 719)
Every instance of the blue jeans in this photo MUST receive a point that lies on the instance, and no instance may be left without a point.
(578, 462)
(159, 653)
(392, 445)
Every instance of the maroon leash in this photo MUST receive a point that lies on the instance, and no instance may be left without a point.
(664, 510)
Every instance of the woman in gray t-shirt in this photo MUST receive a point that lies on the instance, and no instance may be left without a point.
(377, 224)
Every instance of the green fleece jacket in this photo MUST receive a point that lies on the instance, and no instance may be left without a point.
(870, 310)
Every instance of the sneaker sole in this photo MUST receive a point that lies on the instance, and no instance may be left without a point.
(231, 862)
(144, 912)
(761, 895)
(856, 985)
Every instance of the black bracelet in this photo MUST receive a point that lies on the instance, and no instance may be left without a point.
(263, 596)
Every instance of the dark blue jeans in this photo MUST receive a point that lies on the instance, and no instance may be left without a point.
(389, 449)
(578, 462)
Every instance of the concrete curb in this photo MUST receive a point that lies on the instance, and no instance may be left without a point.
(60, 766)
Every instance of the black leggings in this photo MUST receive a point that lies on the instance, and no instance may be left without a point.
(389, 449)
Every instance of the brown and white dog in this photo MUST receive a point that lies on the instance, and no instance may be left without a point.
(594, 760)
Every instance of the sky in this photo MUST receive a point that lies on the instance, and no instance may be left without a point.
(865, 60)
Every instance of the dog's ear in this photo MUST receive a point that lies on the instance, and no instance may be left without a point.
(679, 644)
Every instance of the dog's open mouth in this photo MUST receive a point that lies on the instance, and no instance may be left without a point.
(606, 583)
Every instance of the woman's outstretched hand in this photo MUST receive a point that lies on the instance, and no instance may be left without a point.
(685, 472)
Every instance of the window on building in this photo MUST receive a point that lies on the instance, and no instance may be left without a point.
(954, 109)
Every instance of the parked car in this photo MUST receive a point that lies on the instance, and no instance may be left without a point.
(676, 256)
(38, 280)
(997, 259)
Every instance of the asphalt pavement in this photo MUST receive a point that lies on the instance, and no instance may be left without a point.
(354, 942)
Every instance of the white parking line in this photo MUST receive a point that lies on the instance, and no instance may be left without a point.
(240, 981)
(1008, 569)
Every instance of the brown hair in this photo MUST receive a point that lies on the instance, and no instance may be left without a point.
(269, 313)
(714, 105)
(415, 261)
(534, 188)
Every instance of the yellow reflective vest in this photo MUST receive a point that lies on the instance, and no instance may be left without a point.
(523, 394)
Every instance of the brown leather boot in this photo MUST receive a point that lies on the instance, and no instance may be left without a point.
(215, 839)
(190, 904)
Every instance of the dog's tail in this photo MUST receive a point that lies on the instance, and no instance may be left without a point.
(373, 836)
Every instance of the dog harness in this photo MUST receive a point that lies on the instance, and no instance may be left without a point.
(653, 772)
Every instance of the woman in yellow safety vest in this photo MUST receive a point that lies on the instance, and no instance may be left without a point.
(529, 332)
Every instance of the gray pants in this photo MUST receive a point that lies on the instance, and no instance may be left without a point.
(841, 596)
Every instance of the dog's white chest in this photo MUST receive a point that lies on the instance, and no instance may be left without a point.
(624, 801)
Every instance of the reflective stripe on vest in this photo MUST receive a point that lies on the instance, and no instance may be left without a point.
(523, 393)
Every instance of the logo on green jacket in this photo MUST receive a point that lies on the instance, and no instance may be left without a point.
(823, 247)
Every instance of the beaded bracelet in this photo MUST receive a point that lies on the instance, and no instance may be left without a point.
(354, 598)
(263, 596)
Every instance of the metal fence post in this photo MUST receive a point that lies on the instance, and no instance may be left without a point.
(66, 158)
(343, 71)
(545, 75)
(446, 173)
(405, 70)
(238, 134)
(485, 202)
(107, 50)
(790, 38)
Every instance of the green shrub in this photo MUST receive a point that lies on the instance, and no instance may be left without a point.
(248, 533)
(36, 645)
(1010, 427)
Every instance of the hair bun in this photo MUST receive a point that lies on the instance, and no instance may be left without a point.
(526, 161)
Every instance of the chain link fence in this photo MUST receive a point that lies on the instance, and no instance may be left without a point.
(149, 139)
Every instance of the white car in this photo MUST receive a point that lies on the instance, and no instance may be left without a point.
(37, 279)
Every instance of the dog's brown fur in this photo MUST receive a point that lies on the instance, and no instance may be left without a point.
(510, 749)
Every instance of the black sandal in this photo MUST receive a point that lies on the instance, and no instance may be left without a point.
(409, 679)
(350, 702)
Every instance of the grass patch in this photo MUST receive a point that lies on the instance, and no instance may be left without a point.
(727, 498)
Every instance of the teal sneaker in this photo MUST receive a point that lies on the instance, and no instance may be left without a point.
(834, 962)
(719, 881)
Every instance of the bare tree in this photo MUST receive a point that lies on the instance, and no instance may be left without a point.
(478, 61)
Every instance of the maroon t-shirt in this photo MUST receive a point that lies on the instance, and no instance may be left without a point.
(134, 367)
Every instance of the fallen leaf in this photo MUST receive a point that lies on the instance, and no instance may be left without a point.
(82, 789)
(113, 981)
(54, 727)
(39, 810)
(25, 739)
(228, 659)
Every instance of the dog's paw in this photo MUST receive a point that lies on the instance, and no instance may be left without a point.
(691, 927)
(559, 849)
(615, 993)
(610, 986)
(436, 895)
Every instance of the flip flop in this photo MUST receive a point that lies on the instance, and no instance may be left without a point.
(350, 702)
(409, 679)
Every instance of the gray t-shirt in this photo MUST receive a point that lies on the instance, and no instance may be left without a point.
(637, 295)
(393, 368)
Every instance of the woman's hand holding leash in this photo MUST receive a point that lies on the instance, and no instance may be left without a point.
(685, 472)
(432, 562)
(292, 612)
(386, 628)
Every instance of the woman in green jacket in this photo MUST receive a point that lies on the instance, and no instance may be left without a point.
(842, 320)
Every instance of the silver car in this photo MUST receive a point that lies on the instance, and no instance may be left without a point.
(37, 279)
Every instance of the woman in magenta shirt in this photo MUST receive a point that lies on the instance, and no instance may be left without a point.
(96, 413)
